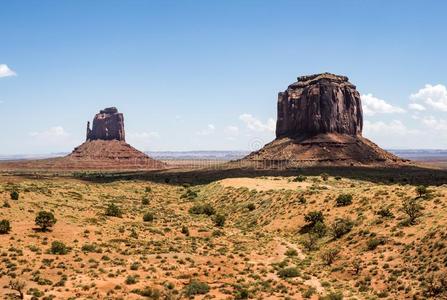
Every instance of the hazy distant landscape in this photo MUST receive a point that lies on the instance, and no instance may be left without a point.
(413, 154)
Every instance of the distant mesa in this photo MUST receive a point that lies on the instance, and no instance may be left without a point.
(105, 146)
(320, 122)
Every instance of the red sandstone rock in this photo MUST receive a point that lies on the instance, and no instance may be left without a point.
(322, 103)
(320, 123)
(108, 125)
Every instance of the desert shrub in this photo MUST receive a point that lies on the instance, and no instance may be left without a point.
(45, 220)
(251, 206)
(289, 272)
(313, 218)
(202, 209)
(14, 195)
(148, 292)
(131, 279)
(337, 177)
(185, 230)
(309, 292)
(57, 247)
(324, 176)
(328, 256)
(241, 293)
(373, 243)
(291, 252)
(91, 248)
(311, 242)
(189, 194)
(148, 189)
(300, 178)
(341, 226)
(219, 220)
(5, 227)
(332, 296)
(385, 213)
(112, 210)
(413, 209)
(344, 200)
(319, 229)
(196, 287)
(145, 200)
(148, 217)
(302, 199)
(421, 190)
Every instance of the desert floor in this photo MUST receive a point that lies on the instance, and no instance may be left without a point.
(234, 238)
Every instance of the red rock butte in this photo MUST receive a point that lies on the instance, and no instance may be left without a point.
(320, 123)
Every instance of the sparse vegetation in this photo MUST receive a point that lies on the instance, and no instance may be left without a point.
(148, 217)
(58, 247)
(341, 226)
(45, 220)
(202, 209)
(14, 195)
(344, 200)
(5, 226)
(112, 210)
(196, 287)
(413, 209)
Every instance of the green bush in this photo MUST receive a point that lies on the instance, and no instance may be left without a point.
(319, 229)
(112, 210)
(202, 209)
(185, 230)
(329, 256)
(148, 217)
(219, 220)
(189, 194)
(14, 195)
(289, 272)
(131, 279)
(344, 200)
(421, 190)
(45, 220)
(313, 218)
(5, 227)
(251, 206)
(324, 176)
(300, 178)
(413, 209)
(145, 200)
(385, 213)
(196, 287)
(291, 252)
(373, 243)
(341, 226)
(332, 296)
(57, 247)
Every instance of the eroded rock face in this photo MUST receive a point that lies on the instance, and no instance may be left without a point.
(321, 103)
(108, 125)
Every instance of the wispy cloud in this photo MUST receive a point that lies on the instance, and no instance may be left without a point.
(255, 124)
(210, 128)
(5, 71)
(53, 132)
(372, 105)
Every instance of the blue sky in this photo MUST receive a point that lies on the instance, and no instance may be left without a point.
(204, 75)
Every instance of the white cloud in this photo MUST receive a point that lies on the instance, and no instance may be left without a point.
(207, 131)
(372, 105)
(52, 133)
(256, 125)
(392, 128)
(232, 130)
(5, 71)
(432, 95)
(416, 106)
(433, 123)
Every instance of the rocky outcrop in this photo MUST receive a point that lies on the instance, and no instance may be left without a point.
(108, 125)
(321, 103)
(320, 123)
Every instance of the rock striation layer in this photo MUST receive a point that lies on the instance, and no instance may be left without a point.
(320, 122)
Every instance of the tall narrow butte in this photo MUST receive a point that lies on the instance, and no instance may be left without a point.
(320, 122)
